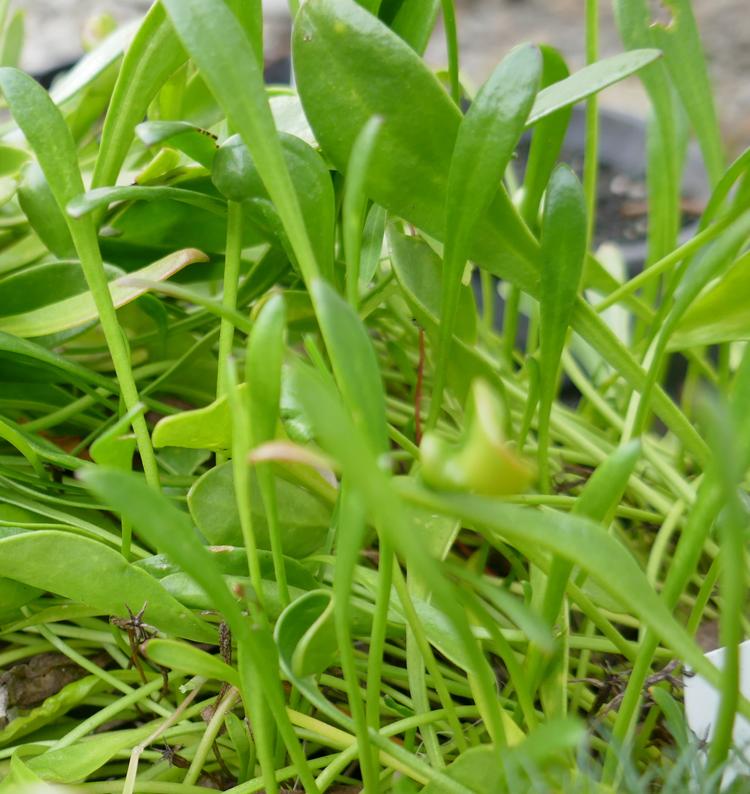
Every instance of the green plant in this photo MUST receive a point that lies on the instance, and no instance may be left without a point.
(274, 492)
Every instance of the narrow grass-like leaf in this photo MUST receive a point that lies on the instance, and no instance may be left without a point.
(339, 434)
(354, 363)
(583, 543)
(590, 80)
(104, 196)
(263, 363)
(484, 145)
(355, 201)
(563, 251)
(720, 314)
(81, 309)
(153, 55)
(91, 65)
(683, 54)
(547, 138)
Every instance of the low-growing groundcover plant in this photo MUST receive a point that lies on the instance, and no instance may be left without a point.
(280, 507)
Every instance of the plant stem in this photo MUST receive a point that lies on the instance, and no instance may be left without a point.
(451, 42)
(231, 284)
(87, 246)
(591, 153)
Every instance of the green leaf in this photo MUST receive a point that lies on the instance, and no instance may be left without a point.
(170, 530)
(50, 710)
(198, 144)
(80, 309)
(80, 760)
(16, 594)
(189, 659)
(115, 447)
(563, 252)
(104, 196)
(153, 55)
(486, 139)
(547, 139)
(236, 175)
(339, 58)
(209, 427)
(265, 356)
(303, 518)
(580, 541)
(721, 314)
(11, 41)
(44, 284)
(27, 361)
(21, 778)
(91, 573)
(306, 634)
(218, 45)
(354, 204)
(11, 160)
(481, 461)
(414, 22)
(590, 80)
(92, 64)
(683, 54)
(354, 363)
(42, 211)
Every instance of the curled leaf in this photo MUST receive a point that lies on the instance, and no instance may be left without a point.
(482, 461)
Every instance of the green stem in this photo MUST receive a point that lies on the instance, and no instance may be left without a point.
(84, 238)
(591, 153)
(231, 284)
(733, 590)
(451, 42)
(378, 632)
(209, 736)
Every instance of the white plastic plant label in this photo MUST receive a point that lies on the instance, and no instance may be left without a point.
(702, 702)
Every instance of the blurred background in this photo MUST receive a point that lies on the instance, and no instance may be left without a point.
(55, 30)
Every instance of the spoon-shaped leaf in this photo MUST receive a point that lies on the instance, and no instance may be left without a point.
(236, 175)
(80, 309)
(189, 659)
(306, 634)
(484, 145)
(563, 252)
(91, 573)
(43, 213)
